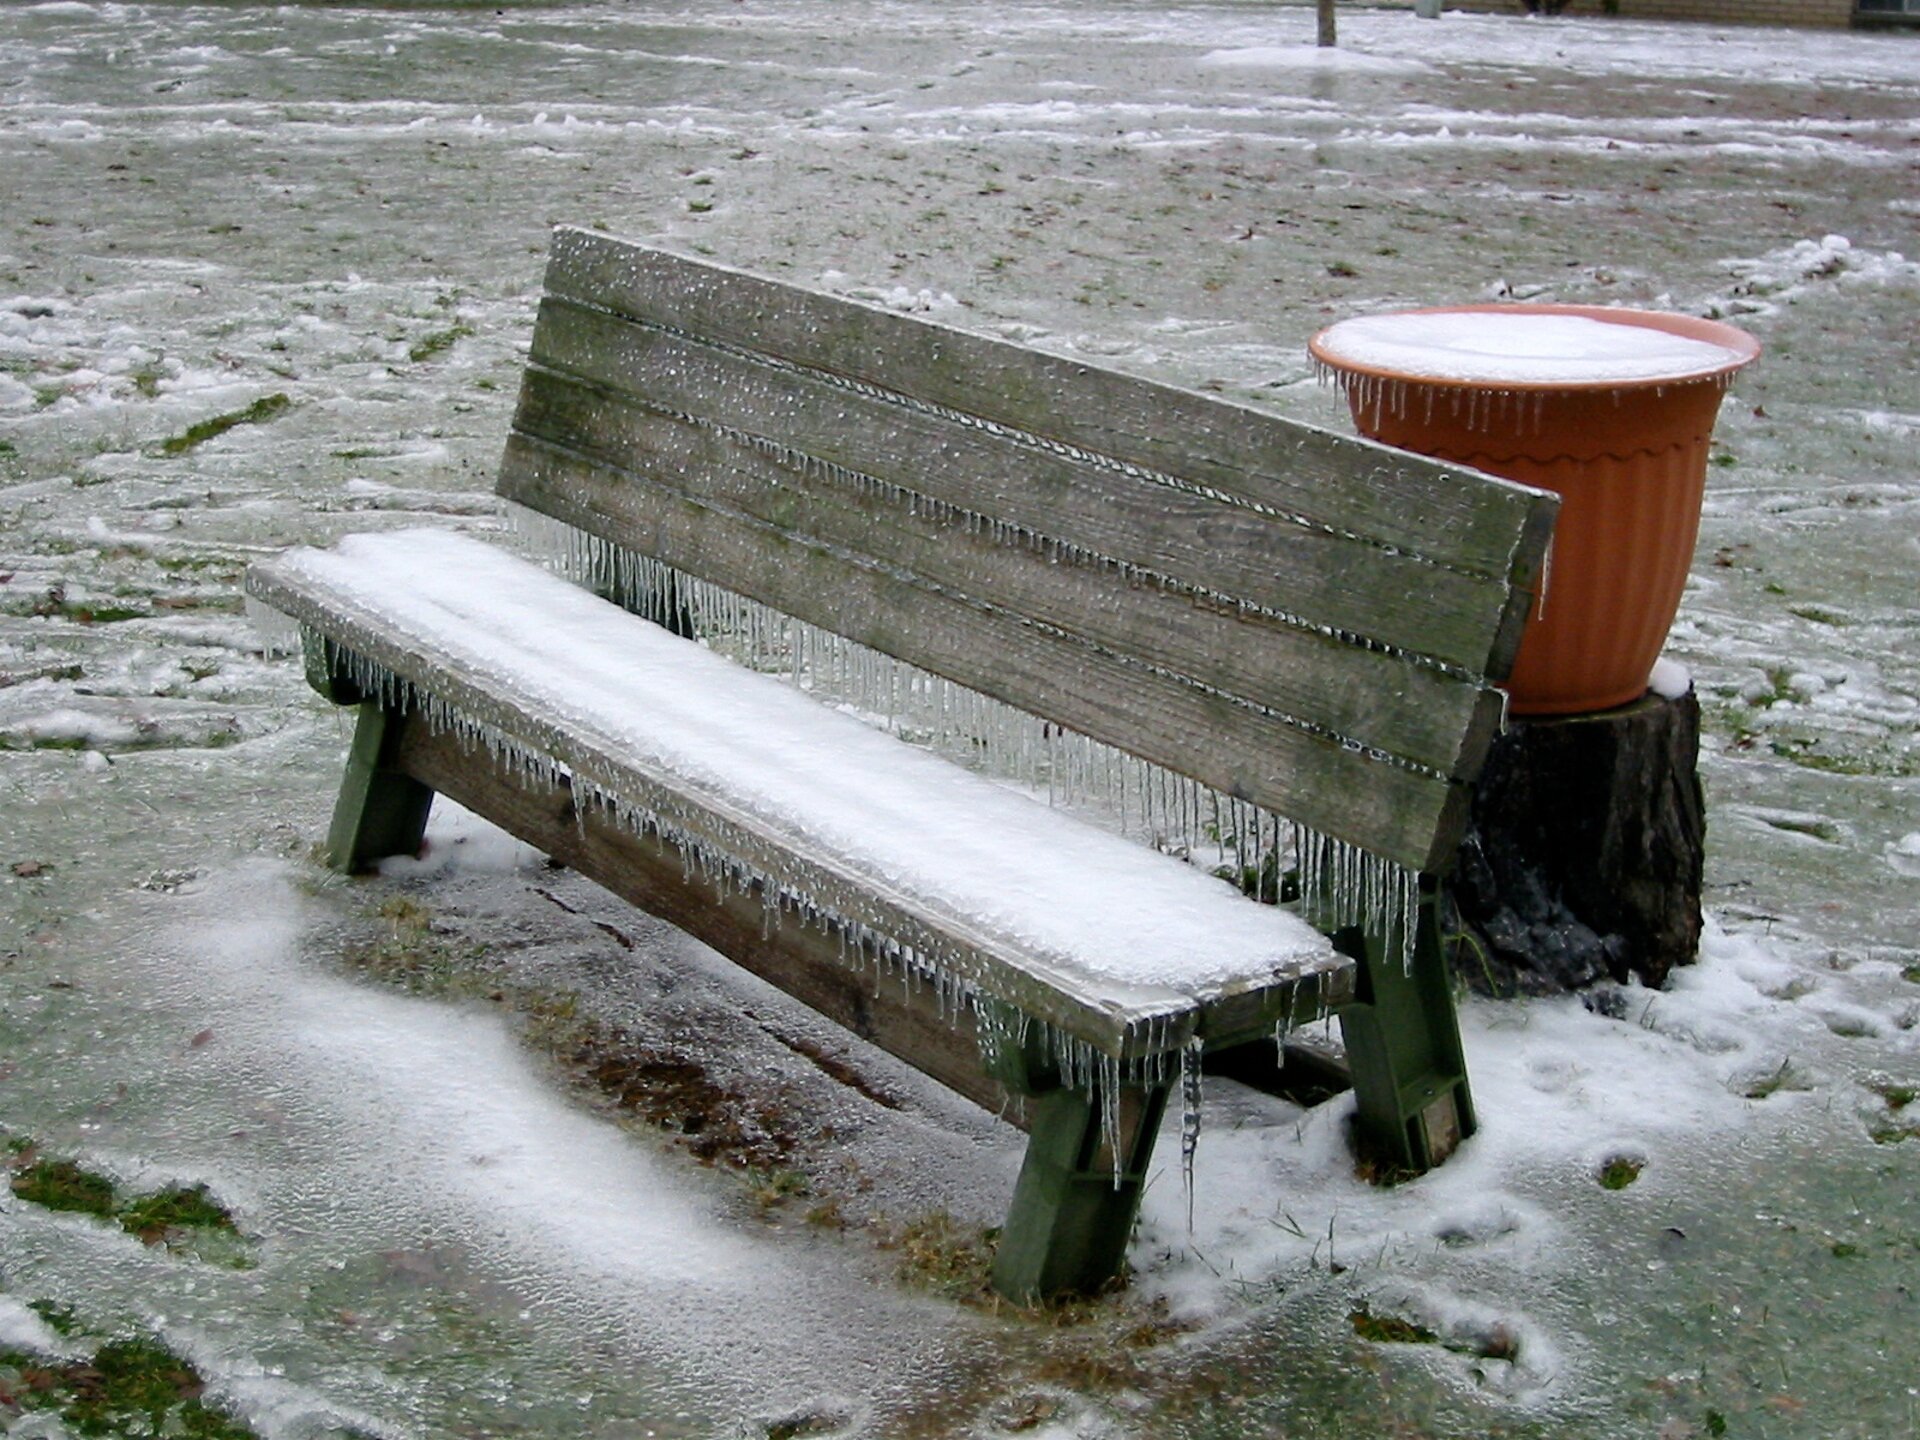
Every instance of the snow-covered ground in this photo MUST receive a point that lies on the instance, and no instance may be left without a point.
(323, 226)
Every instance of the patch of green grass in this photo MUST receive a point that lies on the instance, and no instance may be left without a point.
(1786, 1078)
(159, 1217)
(1804, 751)
(772, 1188)
(438, 342)
(1780, 686)
(221, 567)
(940, 1255)
(803, 1423)
(128, 1387)
(63, 1185)
(178, 1207)
(1496, 1341)
(414, 958)
(1898, 1094)
(266, 408)
(59, 1318)
(1390, 1329)
(1619, 1172)
(1819, 615)
(826, 1215)
(83, 614)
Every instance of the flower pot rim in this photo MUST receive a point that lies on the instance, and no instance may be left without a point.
(1690, 327)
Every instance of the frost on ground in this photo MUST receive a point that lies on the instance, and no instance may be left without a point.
(266, 278)
(1763, 284)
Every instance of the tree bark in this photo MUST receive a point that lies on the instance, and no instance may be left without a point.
(1583, 858)
(1323, 11)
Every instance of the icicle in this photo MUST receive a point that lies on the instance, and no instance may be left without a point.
(1546, 581)
(278, 634)
(1342, 885)
(1109, 1086)
(1191, 1055)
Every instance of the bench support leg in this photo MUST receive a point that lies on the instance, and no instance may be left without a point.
(1403, 1044)
(1068, 1229)
(382, 810)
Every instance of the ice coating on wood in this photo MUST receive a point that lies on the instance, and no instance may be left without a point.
(1160, 807)
(1521, 348)
(1107, 916)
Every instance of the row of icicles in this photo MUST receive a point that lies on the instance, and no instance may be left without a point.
(1479, 406)
(1107, 786)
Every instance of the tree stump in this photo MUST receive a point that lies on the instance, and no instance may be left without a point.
(1583, 858)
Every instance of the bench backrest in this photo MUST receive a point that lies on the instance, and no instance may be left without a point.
(1306, 622)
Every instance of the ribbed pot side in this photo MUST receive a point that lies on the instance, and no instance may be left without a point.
(1629, 461)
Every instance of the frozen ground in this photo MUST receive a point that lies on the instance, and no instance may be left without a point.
(205, 208)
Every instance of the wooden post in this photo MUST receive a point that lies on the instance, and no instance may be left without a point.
(1323, 13)
(1403, 1048)
(1584, 855)
(1073, 1206)
(382, 810)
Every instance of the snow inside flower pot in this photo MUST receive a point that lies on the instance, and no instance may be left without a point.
(1612, 409)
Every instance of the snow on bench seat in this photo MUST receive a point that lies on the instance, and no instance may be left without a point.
(1116, 945)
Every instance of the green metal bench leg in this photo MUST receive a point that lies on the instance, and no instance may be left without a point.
(1068, 1229)
(1403, 1044)
(381, 811)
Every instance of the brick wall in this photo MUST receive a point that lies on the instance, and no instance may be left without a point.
(1753, 12)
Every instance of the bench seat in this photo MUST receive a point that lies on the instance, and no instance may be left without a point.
(937, 870)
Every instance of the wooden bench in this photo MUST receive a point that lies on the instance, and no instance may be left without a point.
(1131, 588)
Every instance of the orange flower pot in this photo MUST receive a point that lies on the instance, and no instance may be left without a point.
(1621, 437)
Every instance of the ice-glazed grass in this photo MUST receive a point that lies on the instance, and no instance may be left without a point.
(126, 1387)
(1619, 1172)
(63, 1185)
(177, 1208)
(186, 1219)
(266, 408)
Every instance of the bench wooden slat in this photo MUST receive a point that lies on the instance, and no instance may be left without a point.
(1120, 1020)
(1409, 816)
(629, 454)
(1450, 516)
(1345, 582)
